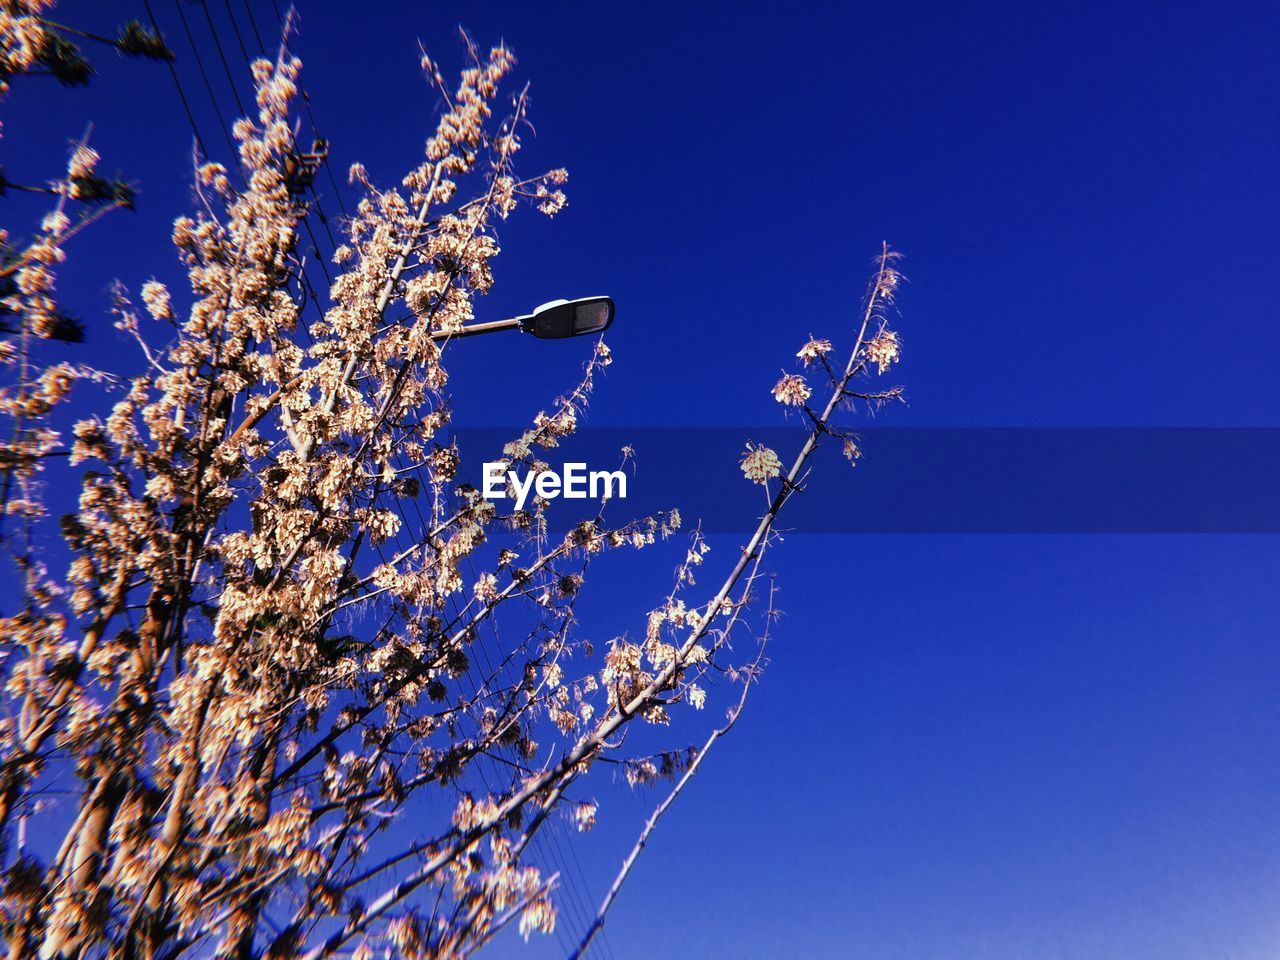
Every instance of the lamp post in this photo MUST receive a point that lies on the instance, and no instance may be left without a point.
(555, 320)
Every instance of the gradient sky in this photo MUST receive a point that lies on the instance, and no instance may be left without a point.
(965, 746)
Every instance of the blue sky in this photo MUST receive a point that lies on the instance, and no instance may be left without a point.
(966, 746)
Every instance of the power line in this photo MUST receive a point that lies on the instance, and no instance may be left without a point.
(315, 128)
(576, 899)
(320, 254)
(223, 57)
(571, 900)
(235, 27)
(547, 841)
(328, 167)
(205, 77)
(253, 22)
(186, 106)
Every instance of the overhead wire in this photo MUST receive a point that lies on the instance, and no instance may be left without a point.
(204, 77)
(548, 844)
(173, 72)
(572, 900)
(253, 22)
(235, 28)
(204, 5)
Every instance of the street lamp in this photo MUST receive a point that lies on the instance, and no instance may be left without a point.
(551, 321)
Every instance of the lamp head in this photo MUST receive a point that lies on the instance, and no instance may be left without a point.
(569, 318)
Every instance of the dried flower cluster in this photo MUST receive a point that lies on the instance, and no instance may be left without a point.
(23, 38)
(31, 43)
(884, 350)
(760, 464)
(814, 350)
(791, 390)
(276, 633)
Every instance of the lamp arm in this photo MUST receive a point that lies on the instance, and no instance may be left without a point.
(475, 329)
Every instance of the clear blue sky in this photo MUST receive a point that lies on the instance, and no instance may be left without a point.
(966, 746)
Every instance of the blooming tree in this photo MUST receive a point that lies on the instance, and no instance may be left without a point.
(247, 719)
